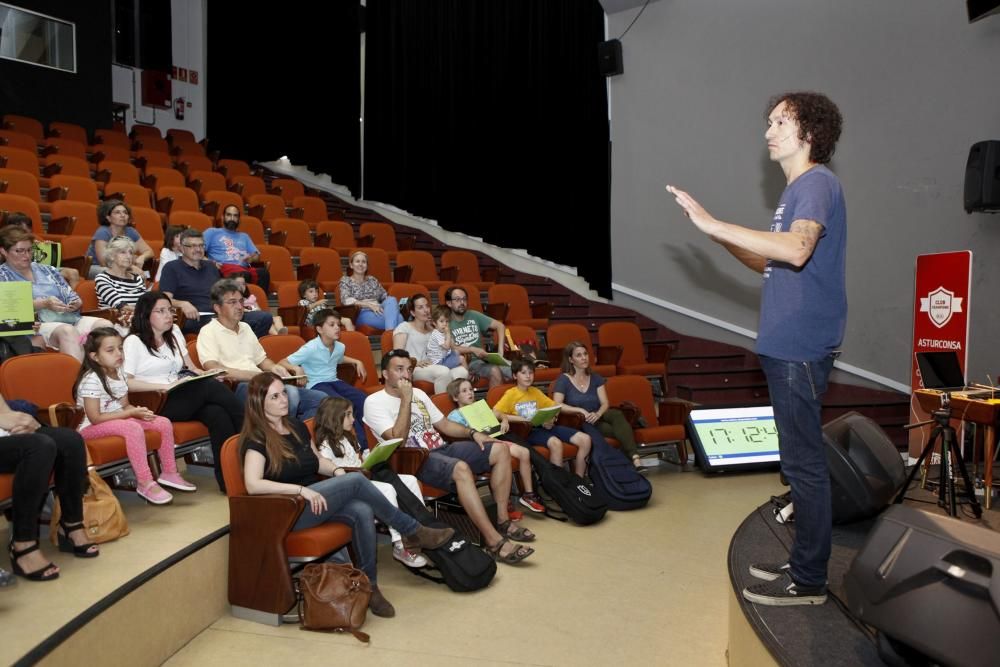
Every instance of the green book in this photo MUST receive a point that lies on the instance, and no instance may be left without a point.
(47, 252)
(480, 417)
(496, 359)
(381, 453)
(17, 314)
(545, 414)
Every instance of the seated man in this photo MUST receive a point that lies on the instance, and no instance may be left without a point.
(467, 327)
(233, 251)
(188, 281)
(401, 411)
(229, 344)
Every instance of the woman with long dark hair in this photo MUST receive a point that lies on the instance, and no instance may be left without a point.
(156, 358)
(280, 457)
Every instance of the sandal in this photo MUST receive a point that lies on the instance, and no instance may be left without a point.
(515, 556)
(78, 550)
(36, 575)
(515, 532)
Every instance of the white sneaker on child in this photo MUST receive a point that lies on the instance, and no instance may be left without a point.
(406, 557)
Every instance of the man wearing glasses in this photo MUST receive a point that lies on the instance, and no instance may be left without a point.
(467, 328)
(228, 343)
(188, 282)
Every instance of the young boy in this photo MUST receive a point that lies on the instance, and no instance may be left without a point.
(318, 359)
(440, 347)
(313, 299)
(462, 393)
(520, 403)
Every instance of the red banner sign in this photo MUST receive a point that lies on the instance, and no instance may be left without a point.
(942, 290)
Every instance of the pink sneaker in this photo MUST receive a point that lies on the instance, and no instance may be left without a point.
(175, 481)
(153, 493)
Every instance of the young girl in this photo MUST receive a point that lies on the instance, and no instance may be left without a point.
(338, 443)
(520, 403)
(171, 247)
(462, 393)
(250, 303)
(102, 392)
(440, 347)
(313, 299)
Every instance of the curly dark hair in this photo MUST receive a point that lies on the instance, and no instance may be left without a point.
(819, 121)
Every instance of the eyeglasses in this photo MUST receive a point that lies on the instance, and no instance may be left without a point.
(163, 311)
(193, 245)
(461, 299)
(21, 251)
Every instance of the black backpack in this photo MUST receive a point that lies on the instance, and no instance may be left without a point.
(460, 564)
(575, 497)
(616, 478)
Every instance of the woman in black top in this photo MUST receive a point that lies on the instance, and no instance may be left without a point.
(279, 456)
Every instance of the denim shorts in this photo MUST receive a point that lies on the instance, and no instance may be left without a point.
(439, 467)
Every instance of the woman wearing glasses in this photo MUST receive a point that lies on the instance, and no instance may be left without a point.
(156, 359)
(56, 305)
(115, 219)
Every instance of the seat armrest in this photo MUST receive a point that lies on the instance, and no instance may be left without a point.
(292, 316)
(307, 271)
(112, 314)
(255, 211)
(497, 311)
(674, 411)
(541, 310)
(347, 373)
(322, 240)
(366, 241)
(608, 354)
(63, 225)
(81, 264)
(297, 213)
(153, 400)
(50, 170)
(402, 274)
(490, 274)
(406, 241)
(211, 209)
(277, 238)
(408, 460)
(350, 312)
(164, 205)
(55, 194)
(520, 429)
(571, 419)
(660, 352)
(66, 415)
(448, 274)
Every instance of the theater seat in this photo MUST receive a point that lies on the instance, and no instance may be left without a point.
(262, 542)
(665, 426)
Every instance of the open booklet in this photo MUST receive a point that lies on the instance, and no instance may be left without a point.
(480, 417)
(17, 314)
(194, 378)
(496, 359)
(545, 414)
(381, 452)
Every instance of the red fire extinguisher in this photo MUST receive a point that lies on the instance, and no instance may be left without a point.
(179, 108)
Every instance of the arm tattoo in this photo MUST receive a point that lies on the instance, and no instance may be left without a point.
(808, 231)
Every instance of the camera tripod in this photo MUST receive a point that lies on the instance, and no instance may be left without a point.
(946, 486)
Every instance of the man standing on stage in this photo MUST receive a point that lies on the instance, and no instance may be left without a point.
(802, 316)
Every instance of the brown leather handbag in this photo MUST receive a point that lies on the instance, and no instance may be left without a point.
(333, 597)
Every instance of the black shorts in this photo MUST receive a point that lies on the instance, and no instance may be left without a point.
(439, 467)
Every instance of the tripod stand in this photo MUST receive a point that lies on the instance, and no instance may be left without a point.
(946, 486)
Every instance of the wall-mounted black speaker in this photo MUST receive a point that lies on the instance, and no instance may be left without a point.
(931, 583)
(866, 469)
(982, 177)
(609, 55)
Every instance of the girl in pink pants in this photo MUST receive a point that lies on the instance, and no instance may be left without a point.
(102, 393)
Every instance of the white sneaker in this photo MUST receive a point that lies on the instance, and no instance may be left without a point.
(406, 557)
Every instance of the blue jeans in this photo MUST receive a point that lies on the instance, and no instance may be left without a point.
(302, 403)
(340, 389)
(796, 389)
(389, 319)
(354, 501)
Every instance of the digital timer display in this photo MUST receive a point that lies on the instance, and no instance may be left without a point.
(734, 437)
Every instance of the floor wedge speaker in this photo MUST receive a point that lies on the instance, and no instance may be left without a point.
(931, 583)
(982, 177)
(866, 470)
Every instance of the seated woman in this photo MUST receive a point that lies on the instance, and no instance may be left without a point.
(521, 402)
(582, 391)
(412, 336)
(171, 247)
(280, 457)
(376, 308)
(115, 219)
(56, 305)
(120, 286)
(155, 358)
(34, 452)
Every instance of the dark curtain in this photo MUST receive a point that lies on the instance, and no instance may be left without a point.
(285, 80)
(491, 117)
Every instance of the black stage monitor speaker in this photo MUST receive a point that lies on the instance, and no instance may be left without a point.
(866, 470)
(931, 583)
(982, 177)
(610, 57)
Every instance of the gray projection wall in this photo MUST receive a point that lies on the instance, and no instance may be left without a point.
(917, 85)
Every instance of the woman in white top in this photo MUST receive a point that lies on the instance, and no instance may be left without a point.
(338, 443)
(171, 247)
(156, 358)
(412, 336)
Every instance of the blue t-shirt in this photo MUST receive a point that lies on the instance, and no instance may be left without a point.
(103, 233)
(803, 312)
(318, 361)
(588, 400)
(226, 247)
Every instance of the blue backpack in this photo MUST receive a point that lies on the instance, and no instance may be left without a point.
(616, 478)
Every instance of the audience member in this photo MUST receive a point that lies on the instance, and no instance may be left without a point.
(234, 251)
(71, 276)
(413, 336)
(171, 247)
(115, 219)
(467, 329)
(376, 308)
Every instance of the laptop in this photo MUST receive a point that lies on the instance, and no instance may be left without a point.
(942, 372)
